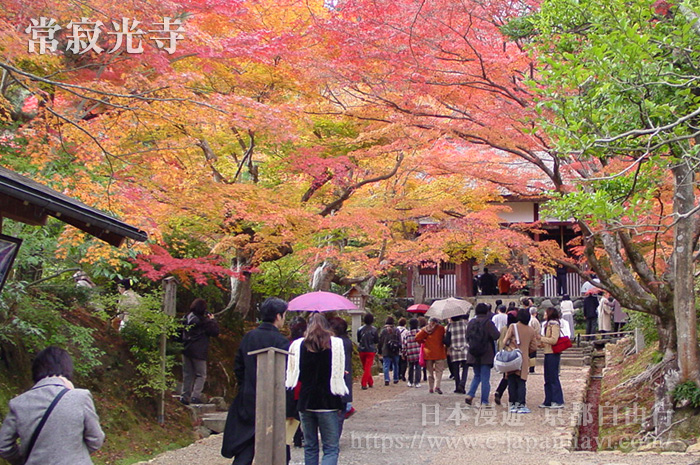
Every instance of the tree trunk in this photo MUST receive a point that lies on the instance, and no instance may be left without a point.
(245, 296)
(241, 292)
(323, 276)
(683, 273)
(418, 288)
(666, 327)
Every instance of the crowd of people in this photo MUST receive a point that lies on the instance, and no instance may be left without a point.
(319, 374)
(427, 348)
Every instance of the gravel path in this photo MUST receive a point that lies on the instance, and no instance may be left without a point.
(409, 426)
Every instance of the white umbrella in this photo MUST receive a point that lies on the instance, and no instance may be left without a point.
(448, 308)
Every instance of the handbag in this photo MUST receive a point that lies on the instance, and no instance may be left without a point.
(563, 343)
(507, 360)
(40, 426)
(421, 357)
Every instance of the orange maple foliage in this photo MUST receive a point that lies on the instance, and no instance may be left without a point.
(268, 131)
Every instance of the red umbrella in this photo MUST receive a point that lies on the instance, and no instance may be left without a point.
(418, 308)
(320, 301)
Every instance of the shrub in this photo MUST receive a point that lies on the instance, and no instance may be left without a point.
(35, 318)
(146, 325)
(646, 324)
(688, 391)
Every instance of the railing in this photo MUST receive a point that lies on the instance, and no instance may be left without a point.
(438, 288)
(639, 343)
(444, 286)
(573, 284)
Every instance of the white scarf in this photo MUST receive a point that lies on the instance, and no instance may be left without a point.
(338, 386)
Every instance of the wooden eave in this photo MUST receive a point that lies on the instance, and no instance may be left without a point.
(25, 200)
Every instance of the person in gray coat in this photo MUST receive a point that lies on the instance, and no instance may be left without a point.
(72, 430)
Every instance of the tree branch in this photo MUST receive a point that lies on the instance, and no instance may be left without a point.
(348, 191)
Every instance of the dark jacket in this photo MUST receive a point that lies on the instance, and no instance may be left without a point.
(195, 337)
(367, 340)
(590, 307)
(489, 284)
(491, 332)
(240, 423)
(315, 379)
(389, 332)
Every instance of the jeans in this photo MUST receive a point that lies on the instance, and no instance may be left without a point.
(517, 389)
(415, 373)
(552, 386)
(482, 375)
(403, 364)
(341, 418)
(391, 363)
(461, 370)
(327, 424)
(194, 374)
(367, 359)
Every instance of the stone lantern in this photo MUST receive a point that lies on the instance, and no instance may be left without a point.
(359, 297)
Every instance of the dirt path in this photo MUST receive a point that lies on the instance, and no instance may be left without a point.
(408, 426)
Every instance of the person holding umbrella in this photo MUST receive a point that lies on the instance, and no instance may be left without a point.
(318, 362)
(432, 337)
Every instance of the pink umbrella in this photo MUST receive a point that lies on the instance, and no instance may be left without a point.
(418, 308)
(320, 301)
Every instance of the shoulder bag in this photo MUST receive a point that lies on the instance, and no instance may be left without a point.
(563, 343)
(40, 426)
(507, 360)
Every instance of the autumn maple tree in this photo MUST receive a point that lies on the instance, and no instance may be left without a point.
(626, 106)
(609, 128)
(232, 139)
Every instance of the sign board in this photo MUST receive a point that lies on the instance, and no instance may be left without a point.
(9, 246)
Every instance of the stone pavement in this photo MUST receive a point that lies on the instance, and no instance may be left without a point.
(408, 426)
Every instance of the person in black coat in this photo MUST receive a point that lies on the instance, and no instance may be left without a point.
(239, 432)
(481, 335)
(488, 283)
(590, 311)
(200, 325)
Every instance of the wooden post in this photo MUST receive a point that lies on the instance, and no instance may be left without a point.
(463, 280)
(169, 300)
(638, 340)
(270, 407)
(356, 316)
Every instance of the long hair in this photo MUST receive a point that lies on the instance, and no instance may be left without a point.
(551, 313)
(318, 334)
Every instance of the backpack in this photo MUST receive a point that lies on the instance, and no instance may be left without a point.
(187, 333)
(394, 341)
(477, 338)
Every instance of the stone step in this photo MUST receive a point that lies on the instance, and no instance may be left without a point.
(202, 409)
(572, 362)
(215, 421)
